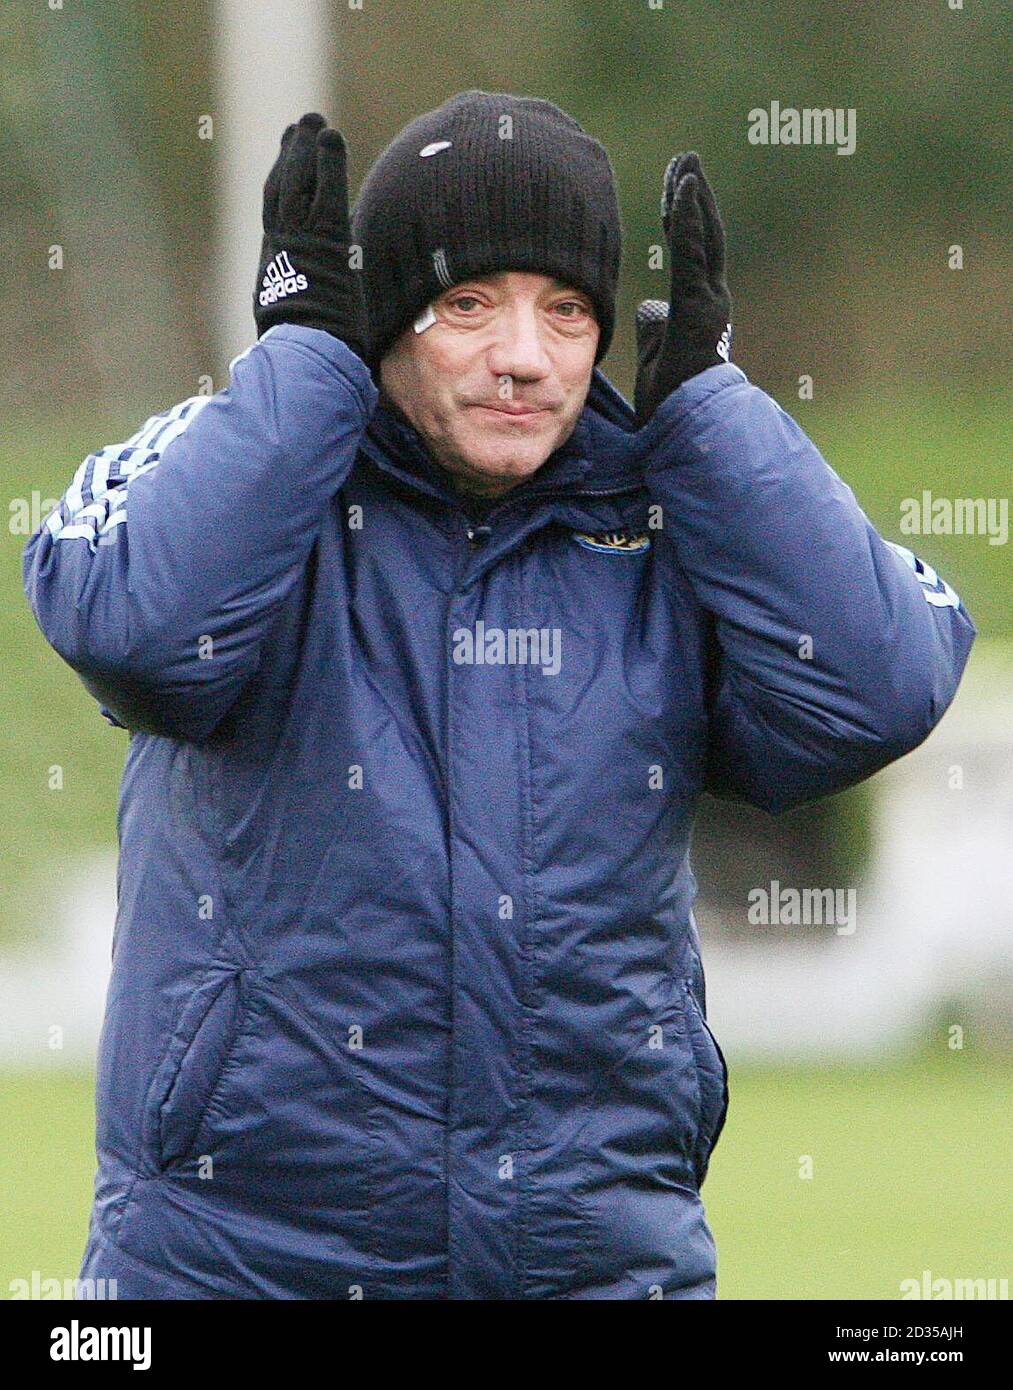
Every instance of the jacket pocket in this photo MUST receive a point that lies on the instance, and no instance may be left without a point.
(193, 1067)
(712, 1079)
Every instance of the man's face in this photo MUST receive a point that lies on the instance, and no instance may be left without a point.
(499, 380)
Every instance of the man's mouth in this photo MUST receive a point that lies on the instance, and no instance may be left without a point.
(513, 411)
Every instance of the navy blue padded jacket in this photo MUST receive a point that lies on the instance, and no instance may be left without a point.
(406, 997)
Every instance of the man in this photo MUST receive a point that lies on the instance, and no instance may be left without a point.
(406, 998)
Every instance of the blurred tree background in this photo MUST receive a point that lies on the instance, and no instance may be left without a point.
(838, 264)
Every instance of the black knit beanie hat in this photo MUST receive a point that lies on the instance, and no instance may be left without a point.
(484, 183)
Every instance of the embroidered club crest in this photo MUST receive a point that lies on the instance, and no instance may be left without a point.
(613, 542)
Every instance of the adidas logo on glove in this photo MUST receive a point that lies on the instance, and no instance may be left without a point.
(281, 279)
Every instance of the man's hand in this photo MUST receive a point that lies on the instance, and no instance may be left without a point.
(693, 331)
(304, 275)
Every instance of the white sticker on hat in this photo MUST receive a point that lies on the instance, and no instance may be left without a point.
(425, 320)
(434, 148)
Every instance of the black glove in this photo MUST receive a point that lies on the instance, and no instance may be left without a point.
(304, 275)
(693, 331)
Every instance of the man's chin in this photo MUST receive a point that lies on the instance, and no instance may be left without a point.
(505, 466)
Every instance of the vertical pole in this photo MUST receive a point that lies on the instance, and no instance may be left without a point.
(273, 62)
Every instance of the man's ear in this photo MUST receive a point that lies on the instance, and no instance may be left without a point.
(385, 375)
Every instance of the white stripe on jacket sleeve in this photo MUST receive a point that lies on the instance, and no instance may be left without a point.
(95, 502)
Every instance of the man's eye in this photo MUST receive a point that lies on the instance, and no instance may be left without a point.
(573, 308)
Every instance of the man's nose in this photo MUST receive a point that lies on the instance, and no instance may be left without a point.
(519, 348)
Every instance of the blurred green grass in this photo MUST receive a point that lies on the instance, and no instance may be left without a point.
(910, 1166)
(910, 1172)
